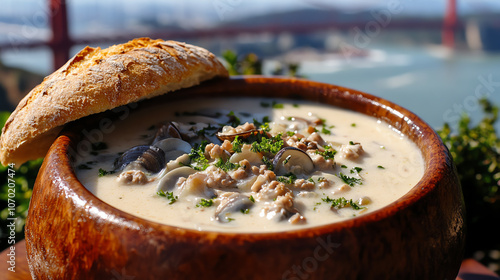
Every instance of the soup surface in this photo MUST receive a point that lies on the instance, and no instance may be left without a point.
(248, 164)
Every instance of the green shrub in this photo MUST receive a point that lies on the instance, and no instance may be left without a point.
(24, 178)
(476, 153)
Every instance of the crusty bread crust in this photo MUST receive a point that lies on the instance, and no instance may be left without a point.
(97, 80)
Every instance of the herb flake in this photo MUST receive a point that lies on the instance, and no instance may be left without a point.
(342, 202)
(351, 181)
(205, 203)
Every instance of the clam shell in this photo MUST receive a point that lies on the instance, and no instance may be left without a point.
(168, 130)
(129, 156)
(153, 159)
(149, 157)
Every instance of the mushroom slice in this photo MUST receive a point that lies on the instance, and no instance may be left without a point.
(149, 157)
(230, 203)
(173, 148)
(292, 160)
(168, 182)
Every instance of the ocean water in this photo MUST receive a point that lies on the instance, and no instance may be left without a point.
(436, 84)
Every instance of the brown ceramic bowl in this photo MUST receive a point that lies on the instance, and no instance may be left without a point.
(72, 234)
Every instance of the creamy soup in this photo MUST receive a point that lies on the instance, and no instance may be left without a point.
(249, 165)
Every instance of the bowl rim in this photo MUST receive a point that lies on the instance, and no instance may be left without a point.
(436, 160)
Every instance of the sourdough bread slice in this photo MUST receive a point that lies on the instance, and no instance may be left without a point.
(96, 80)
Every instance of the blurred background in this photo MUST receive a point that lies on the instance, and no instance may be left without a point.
(438, 58)
(430, 56)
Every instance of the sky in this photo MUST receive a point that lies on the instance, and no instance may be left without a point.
(242, 8)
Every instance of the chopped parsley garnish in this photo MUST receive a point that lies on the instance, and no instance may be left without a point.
(205, 203)
(252, 199)
(204, 131)
(352, 143)
(262, 125)
(290, 133)
(327, 154)
(343, 166)
(356, 170)
(265, 127)
(169, 195)
(277, 105)
(245, 211)
(342, 202)
(237, 144)
(324, 130)
(103, 172)
(268, 163)
(161, 193)
(198, 160)
(351, 181)
(287, 179)
(233, 119)
(353, 124)
(226, 165)
(267, 145)
(295, 105)
(380, 166)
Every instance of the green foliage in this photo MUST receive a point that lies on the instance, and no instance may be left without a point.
(250, 64)
(476, 153)
(287, 69)
(24, 177)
